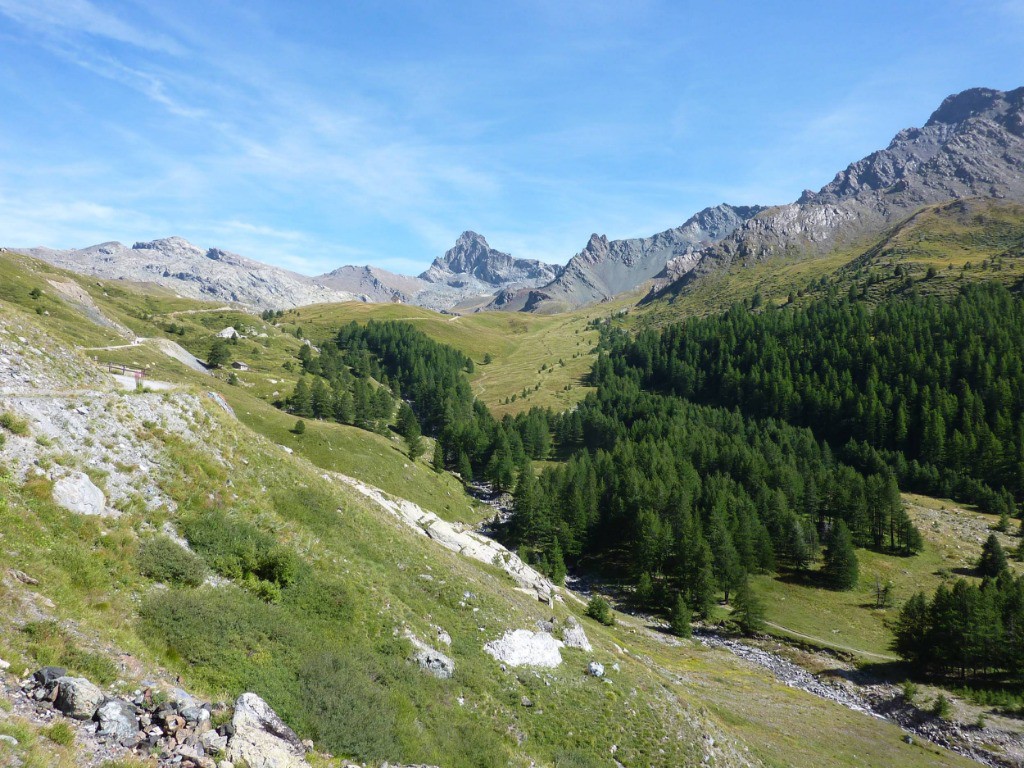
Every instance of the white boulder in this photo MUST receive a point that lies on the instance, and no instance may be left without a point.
(77, 493)
(261, 739)
(522, 648)
(573, 635)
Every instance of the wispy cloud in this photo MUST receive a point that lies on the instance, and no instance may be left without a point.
(60, 18)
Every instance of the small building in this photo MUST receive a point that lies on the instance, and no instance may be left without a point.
(228, 333)
(238, 365)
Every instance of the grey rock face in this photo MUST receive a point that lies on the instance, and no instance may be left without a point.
(118, 721)
(260, 738)
(77, 493)
(605, 268)
(971, 146)
(191, 271)
(573, 635)
(373, 284)
(77, 697)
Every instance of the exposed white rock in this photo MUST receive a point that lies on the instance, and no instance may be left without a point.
(573, 635)
(261, 739)
(523, 648)
(430, 659)
(596, 669)
(468, 543)
(77, 493)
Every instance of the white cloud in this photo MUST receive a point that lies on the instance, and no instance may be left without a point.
(59, 17)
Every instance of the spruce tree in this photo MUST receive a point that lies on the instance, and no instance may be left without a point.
(993, 559)
(748, 609)
(219, 354)
(840, 567)
(679, 621)
(301, 401)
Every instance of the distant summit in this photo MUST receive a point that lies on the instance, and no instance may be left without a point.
(971, 146)
(606, 268)
(199, 273)
(472, 257)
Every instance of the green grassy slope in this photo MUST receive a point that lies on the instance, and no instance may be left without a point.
(361, 577)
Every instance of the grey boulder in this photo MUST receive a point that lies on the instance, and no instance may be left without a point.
(118, 721)
(77, 697)
(77, 493)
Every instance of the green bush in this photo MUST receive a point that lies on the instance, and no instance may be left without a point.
(599, 610)
(239, 550)
(13, 424)
(941, 707)
(161, 559)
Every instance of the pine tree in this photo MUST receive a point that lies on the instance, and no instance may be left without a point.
(679, 621)
(301, 401)
(993, 559)
(748, 609)
(840, 567)
(219, 355)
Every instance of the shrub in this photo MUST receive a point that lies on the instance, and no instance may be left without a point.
(161, 559)
(599, 610)
(239, 550)
(13, 424)
(941, 707)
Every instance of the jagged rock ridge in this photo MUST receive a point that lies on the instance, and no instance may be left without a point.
(605, 268)
(971, 146)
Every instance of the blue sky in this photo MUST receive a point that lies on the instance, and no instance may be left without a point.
(316, 134)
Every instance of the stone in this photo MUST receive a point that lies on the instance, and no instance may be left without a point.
(48, 675)
(431, 660)
(77, 493)
(596, 669)
(261, 739)
(118, 721)
(4, 738)
(77, 697)
(522, 648)
(213, 742)
(573, 635)
(4, 665)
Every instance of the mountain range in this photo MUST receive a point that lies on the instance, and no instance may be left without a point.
(971, 146)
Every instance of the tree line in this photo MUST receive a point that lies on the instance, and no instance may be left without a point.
(930, 387)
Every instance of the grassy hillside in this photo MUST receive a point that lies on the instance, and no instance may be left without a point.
(345, 578)
(541, 360)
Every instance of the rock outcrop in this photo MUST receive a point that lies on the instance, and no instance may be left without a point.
(971, 146)
(523, 648)
(260, 738)
(198, 273)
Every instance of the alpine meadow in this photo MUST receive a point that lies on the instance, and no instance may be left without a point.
(737, 484)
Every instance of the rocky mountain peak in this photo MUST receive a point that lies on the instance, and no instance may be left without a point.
(472, 258)
(986, 103)
(971, 146)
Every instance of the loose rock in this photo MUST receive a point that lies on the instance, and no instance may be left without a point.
(261, 739)
(77, 697)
